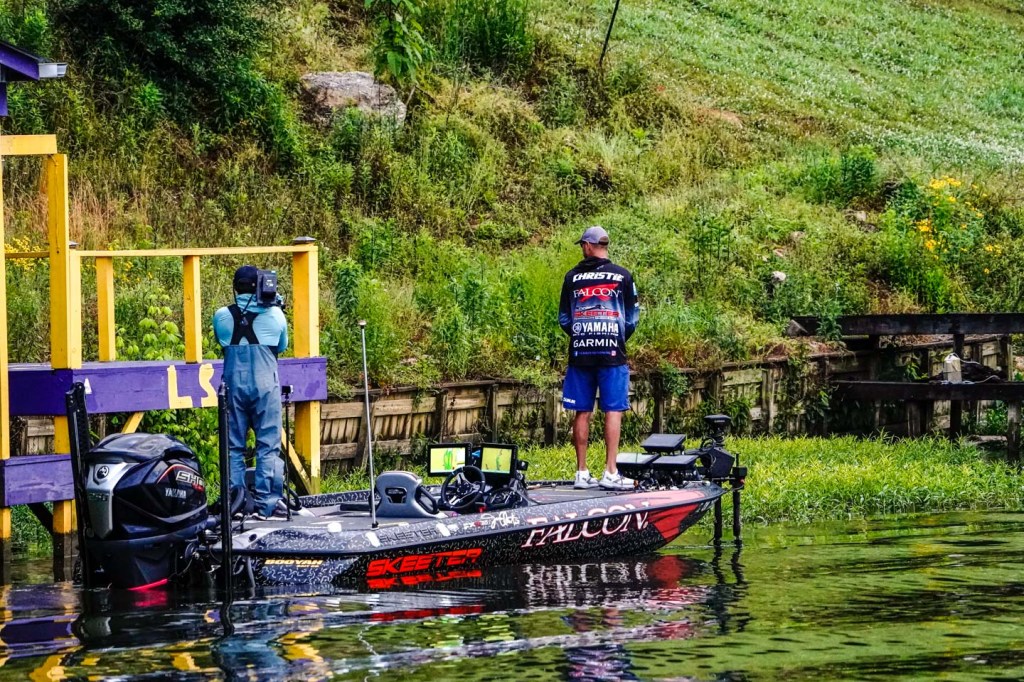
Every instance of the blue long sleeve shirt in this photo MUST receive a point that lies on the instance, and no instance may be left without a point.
(270, 325)
(599, 310)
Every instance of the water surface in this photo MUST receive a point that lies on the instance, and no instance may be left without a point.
(923, 597)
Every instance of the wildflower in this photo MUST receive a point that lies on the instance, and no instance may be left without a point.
(924, 225)
(951, 199)
(930, 244)
(986, 271)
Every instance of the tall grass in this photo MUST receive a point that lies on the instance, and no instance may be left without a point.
(814, 479)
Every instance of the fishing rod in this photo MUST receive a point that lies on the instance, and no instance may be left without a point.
(369, 429)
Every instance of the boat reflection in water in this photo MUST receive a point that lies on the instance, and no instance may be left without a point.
(586, 615)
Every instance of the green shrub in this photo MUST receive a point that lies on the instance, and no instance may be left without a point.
(483, 35)
(851, 178)
(197, 61)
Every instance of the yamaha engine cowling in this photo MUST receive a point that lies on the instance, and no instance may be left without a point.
(146, 505)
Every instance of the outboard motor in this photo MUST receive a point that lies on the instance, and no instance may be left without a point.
(146, 503)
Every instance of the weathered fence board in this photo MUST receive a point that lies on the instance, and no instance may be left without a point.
(472, 410)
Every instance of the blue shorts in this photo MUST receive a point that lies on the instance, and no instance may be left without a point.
(582, 383)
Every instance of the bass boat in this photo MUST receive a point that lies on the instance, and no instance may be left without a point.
(142, 502)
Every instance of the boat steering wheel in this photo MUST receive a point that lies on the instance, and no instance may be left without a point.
(462, 489)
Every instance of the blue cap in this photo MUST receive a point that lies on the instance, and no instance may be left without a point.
(594, 235)
(245, 279)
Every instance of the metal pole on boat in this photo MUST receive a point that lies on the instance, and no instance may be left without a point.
(369, 429)
(286, 391)
(226, 547)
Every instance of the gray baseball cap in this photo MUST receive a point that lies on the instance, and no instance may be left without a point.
(594, 235)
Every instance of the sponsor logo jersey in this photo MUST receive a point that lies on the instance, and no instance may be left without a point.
(599, 310)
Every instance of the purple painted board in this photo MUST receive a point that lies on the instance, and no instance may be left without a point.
(19, 64)
(141, 386)
(3, 99)
(27, 479)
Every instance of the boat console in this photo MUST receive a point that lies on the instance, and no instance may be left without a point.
(490, 477)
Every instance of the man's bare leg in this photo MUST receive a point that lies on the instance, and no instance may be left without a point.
(612, 428)
(580, 436)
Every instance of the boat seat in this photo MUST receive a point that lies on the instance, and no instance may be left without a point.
(399, 494)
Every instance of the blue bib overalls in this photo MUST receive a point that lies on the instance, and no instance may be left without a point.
(250, 372)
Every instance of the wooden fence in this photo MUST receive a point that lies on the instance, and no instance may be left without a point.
(772, 396)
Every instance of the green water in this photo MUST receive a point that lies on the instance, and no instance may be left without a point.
(923, 597)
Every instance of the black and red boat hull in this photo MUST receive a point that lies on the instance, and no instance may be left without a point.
(406, 553)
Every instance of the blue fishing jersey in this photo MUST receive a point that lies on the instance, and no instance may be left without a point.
(599, 310)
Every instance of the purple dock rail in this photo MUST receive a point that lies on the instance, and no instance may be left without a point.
(120, 387)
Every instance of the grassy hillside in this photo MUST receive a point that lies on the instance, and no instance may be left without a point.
(871, 151)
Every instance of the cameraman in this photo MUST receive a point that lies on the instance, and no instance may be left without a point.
(253, 332)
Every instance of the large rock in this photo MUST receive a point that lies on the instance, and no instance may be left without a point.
(332, 91)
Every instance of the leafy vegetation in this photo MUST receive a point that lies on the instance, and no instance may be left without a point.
(868, 152)
(814, 479)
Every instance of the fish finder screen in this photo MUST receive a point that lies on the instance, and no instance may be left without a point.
(496, 460)
(446, 458)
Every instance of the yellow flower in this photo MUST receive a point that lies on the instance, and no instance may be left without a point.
(989, 248)
(929, 244)
(924, 225)
(986, 271)
(951, 199)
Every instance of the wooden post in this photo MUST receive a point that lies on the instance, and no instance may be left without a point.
(956, 407)
(824, 378)
(193, 310)
(552, 416)
(362, 451)
(492, 410)
(1006, 358)
(5, 412)
(306, 307)
(441, 415)
(105, 312)
(65, 337)
(873, 364)
(1013, 433)
(768, 405)
(928, 406)
(658, 393)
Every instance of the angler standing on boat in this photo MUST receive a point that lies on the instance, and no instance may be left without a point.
(253, 332)
(599, 311)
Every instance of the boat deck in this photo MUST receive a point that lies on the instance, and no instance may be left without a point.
(348, 511)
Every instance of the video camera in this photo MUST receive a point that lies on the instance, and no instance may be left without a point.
(266, 289)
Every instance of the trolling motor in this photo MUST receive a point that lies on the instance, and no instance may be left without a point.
(141, 502)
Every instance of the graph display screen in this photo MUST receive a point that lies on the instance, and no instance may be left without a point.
(446, 457)
(497, 459)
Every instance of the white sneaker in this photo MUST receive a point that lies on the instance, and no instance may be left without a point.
(616, 481)
(584, 481)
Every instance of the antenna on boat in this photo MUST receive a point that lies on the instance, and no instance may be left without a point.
(369, 429)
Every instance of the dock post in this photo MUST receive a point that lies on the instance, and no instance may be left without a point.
(956, 407)
(306, 312)
(5, 412)
(737, 528)
(65, 337)
(1013, 433)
